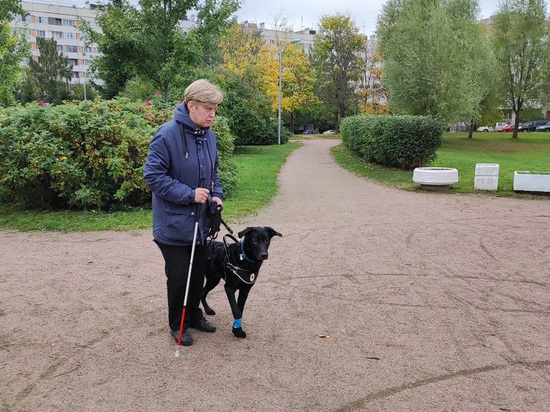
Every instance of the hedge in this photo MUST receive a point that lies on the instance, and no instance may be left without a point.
(86, 155)
(395, 141)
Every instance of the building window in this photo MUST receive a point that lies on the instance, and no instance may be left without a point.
(69, 35)
(73, 62)
(54, 21)
(59, 47)
(76, 75)
(70, 49)
(40, 33)
(26, 18)
(67, 22)
(42, 20)
(57, 34)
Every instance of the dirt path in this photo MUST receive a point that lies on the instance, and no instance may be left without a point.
(432, 302)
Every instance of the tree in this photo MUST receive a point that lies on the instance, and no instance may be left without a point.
(371, 92)
(149, 43)
(13, 49)
(27, 89)
(246, 106)
(337, 63)
(51, 71)
(436, 58)
(8, 8)
(297, 79)
(118, 45)
(521, 44)
(212, 21)
(240, 50)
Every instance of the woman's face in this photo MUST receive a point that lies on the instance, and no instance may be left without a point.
(202, 114)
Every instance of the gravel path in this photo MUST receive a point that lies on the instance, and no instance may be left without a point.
(431, 302)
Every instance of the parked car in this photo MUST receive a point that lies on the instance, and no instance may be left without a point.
(532, 126)
(544, 127)
(500, 126)
(509, 128)
(485, 129)
(524, 127)
(329, 132)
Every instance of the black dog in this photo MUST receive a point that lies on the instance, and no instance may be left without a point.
(238, 264)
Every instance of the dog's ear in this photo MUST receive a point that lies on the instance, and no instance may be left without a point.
(244, 232)
(272, 232)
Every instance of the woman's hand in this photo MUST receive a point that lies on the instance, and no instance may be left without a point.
(217, 200)
(201, 194)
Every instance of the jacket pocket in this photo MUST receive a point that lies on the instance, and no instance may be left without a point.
(180, 225)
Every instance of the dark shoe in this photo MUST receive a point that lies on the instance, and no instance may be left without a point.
(203, 325)
(186, 338)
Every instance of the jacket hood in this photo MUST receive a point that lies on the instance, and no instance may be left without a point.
(181, 115)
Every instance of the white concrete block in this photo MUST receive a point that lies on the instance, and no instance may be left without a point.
(435, 176)
(532, 181)
(486, 182)
(487, 169)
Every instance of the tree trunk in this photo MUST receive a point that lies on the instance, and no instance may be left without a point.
(471, 133)
(516, 125)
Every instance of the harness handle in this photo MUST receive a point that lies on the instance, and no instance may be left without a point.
(233, 238)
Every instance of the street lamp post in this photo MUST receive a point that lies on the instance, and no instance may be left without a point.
(281, 48)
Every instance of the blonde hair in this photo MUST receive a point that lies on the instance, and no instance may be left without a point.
(202, 91)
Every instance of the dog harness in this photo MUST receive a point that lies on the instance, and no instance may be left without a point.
(245, 275)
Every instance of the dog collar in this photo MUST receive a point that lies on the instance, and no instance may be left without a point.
(243, 255)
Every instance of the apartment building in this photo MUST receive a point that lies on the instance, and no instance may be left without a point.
(305, 37)
(61, 20)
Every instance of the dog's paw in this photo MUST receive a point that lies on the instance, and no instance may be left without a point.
(239, 332)
(209, 311)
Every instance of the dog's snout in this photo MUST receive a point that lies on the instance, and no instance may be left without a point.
(264, 256)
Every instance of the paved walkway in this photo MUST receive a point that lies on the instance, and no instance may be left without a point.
(431, 302)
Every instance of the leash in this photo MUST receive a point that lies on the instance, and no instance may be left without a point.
(214, 212)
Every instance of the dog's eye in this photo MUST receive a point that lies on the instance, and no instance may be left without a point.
(255, 241)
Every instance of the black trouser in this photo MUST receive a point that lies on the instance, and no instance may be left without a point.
(176, 259)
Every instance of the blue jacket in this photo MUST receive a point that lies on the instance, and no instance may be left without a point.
(173, 169)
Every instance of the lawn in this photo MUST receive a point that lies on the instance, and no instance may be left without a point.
(256, 185)
(531, 151)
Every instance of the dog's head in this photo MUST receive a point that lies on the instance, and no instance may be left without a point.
(256, 241)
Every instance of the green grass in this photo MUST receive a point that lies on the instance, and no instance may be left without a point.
(256, 185)
(257, 178)
(531, 151)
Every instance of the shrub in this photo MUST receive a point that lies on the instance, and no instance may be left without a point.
(396, 141)
(85, 155)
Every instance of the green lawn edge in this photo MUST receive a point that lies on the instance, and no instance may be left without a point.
(529, 152)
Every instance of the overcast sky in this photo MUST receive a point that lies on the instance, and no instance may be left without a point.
(307, 13)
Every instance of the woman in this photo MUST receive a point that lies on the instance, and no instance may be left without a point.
(182, 172)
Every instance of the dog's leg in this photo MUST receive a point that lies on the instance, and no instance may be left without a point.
(211, 283)
(243, 295)
(237, 314)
